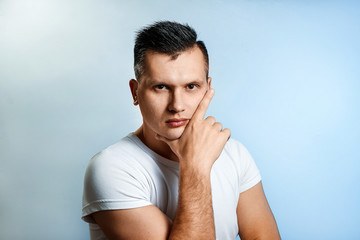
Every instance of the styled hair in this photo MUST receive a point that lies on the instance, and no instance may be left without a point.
(166, 37)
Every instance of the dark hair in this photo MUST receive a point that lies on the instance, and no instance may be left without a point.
(167, 37)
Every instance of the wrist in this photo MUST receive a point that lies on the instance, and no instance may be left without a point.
(194, 172)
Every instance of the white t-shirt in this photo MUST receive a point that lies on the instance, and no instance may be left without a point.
(128, 174)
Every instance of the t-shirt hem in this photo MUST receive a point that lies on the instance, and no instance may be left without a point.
(250, 184)
(102, 205)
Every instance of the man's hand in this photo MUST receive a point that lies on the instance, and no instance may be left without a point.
(202, 140)
(197, 149)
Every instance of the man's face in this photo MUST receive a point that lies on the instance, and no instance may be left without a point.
(170, 91)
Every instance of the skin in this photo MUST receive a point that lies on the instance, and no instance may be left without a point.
(166, 93)
(173, 96)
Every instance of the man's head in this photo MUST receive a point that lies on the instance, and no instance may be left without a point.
(172, 78)
(170, 38)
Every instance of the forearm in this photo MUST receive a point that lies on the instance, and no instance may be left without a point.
(200, 144)
(194, 217)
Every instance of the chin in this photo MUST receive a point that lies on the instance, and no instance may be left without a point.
(174, 134)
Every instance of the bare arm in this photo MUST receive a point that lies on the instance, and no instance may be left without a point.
(137, 223)
(194, 216)
(255, 218)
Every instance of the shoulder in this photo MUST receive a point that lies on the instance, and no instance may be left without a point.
(115, 179)
(125, 146)
(233, 143)
(119, 153)
(236, 150)
(236, 156)
(115, 162)
(115, 168)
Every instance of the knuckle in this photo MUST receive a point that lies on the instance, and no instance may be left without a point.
(211, 119)
(218, 125)
(227, 131)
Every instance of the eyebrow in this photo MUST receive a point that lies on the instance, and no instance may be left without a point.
(155, 82)
(160, 82)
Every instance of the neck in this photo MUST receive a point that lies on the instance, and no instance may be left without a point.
(160, 147)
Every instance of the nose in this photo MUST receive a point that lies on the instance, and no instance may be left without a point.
(176, 103)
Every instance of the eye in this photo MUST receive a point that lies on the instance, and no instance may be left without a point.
(160, 87)
(191, 86)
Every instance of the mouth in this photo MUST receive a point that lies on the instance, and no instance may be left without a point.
(177, 122)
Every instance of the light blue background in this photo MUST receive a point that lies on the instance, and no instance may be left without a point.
(286, 75)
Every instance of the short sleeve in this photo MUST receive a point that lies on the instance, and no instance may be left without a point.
(250, 174)
(247, 171)
(111, 183)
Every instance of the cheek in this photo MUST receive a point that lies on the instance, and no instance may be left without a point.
(151, 105)
(196, 101)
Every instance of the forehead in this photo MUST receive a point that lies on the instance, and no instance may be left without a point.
(187, 66)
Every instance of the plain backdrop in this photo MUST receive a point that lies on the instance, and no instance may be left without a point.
(287, 81)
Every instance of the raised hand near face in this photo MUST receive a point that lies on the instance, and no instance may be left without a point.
(202, 140)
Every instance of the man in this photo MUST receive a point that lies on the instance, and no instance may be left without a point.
(179, 176)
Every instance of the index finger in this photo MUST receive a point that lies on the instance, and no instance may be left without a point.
(203, 105)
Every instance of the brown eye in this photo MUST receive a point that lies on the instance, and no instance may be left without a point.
(160, 87)
(192, 86)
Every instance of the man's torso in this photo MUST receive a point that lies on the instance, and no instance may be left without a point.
(128, 174)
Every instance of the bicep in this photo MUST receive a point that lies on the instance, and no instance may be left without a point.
(255, 219)
(138, 223)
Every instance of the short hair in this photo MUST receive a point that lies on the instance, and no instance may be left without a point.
(166, 37)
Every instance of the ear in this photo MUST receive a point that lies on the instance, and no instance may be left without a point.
(209, 82)
(133, 88)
